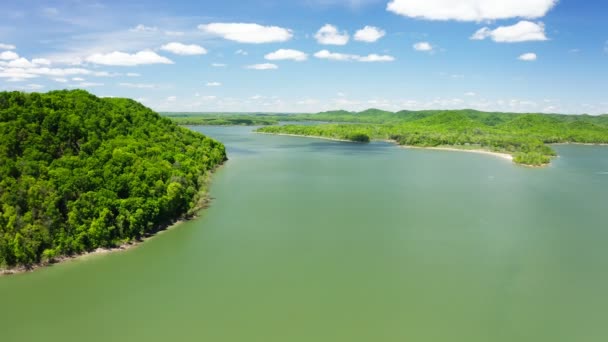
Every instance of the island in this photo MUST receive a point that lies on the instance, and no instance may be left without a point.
(80, 173)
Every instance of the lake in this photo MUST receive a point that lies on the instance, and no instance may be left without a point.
(314, 240)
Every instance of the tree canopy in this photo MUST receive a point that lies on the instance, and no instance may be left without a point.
(525, 136)
(78, 172)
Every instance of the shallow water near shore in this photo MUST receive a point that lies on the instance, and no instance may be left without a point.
(314, 240)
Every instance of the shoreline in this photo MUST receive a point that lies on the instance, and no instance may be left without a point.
(306, 136)
(191, 215)
(583, 144)
(505, 156)
(99, 251)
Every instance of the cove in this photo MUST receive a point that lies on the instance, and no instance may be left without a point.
(314, 240)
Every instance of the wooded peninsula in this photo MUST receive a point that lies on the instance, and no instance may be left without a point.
(527, 137)
(78, 172)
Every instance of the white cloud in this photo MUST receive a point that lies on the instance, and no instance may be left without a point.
(334, 56)
(528, 57)
(471, 10)
(342, 57)
(117, 58)
(77, 79)
(248, 33)
(264, 66)
(523, 31)
(60, 80)
(87, 85)
(20, 63)
(7, 47)
(423, 46)
(470, 94)
(183, 49)
(369, 34)
(174, 33)
(213, 84)
(8, 55)
(171, 98)
(137, 85)
(144, 29)
(376, 58)
(133, 74)
(41, 61)
(330, 35)
(287, 54)
(218, 65)
(241, 52)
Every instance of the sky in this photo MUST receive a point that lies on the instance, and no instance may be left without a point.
(314, 55)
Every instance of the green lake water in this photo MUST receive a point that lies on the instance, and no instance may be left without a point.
(313, 240)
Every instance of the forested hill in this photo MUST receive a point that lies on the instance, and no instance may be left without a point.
(79, 172)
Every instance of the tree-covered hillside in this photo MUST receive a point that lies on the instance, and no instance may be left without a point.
(525, 136)
(79, 172)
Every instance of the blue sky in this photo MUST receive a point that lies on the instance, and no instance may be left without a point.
(313, 55)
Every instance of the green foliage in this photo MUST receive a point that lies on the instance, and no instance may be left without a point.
(525, 136)
(225, 119)
(78, 172)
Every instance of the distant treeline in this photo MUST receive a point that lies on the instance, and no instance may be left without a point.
(525, 136)
(226, 119)
(79, 172)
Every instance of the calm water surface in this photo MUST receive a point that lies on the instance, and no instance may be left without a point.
(312, 240)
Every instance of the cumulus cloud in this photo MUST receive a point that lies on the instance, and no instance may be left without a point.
(523, 31)
(183, 49)
(330, 35)
(264, 66)
(248, 33)
(218, 65)
(20, 63)
(342, 57)
(8, 56)
(528, 57)
(369, 34)
(213, 84)
(376, 58)
(471, 10)
(118, 58)
(7, 46)
(41, 61)
(334, 56)
(423, 46)
(287, 54)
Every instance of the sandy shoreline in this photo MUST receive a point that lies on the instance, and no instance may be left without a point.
(584, 144)
(496, 154)
(453, 149)
(306, 136)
